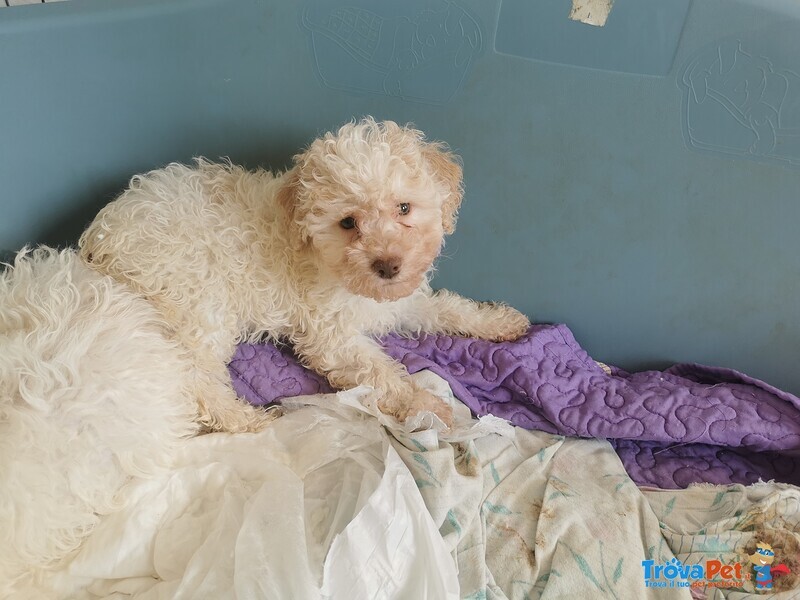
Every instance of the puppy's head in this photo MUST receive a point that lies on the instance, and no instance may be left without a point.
(373, 201)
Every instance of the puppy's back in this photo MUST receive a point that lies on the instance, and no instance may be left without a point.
(166, 222)
(196, 240)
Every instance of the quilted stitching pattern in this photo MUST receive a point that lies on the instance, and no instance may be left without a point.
(687, 424)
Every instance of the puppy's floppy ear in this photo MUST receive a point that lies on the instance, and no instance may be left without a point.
(446, 167)
(288, 203)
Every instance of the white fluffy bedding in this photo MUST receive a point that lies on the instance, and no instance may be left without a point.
(90, 396)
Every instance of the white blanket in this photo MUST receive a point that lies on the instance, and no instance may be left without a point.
(335, 501)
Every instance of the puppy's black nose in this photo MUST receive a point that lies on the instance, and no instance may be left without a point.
(386, 268)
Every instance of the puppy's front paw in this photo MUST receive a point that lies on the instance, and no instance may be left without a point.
(425, 401)
(415, 401)
(502, 323)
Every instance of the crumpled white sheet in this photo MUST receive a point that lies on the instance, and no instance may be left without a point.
(329, 503)
(319, 505)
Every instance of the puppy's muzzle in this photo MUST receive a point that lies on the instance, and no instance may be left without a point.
(387, 268)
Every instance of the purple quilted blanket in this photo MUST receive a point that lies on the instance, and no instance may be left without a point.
(687, 424)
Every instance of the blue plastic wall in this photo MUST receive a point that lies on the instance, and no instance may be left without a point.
(640, 181)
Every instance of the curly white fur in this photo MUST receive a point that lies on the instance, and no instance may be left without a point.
(335, 250)
(92, 392)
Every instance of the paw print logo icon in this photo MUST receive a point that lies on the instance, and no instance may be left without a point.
(418, 50)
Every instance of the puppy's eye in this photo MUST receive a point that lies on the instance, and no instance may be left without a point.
(347, 223)
(405, 208)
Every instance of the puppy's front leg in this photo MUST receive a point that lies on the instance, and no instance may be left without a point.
(355, 359)
(451, 314)
(219, 409)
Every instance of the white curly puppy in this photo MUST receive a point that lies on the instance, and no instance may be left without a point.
(326, 255)
(92, 392)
